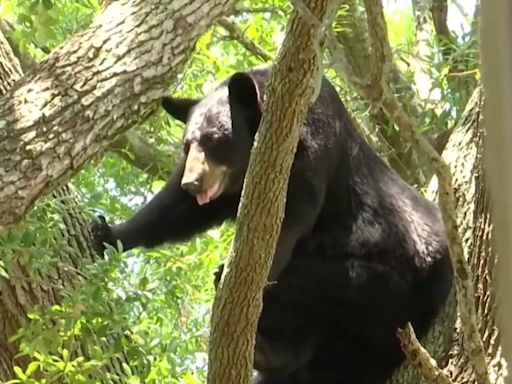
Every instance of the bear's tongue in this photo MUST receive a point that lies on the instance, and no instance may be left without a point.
(204, 197)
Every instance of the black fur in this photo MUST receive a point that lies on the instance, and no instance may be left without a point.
(359, 254)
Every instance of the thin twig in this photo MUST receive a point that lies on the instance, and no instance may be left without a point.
(420, 358)
(238, 34)
(268, 9)
(422, 52)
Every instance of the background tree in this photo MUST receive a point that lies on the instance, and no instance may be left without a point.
(497, 77)
(162, 296)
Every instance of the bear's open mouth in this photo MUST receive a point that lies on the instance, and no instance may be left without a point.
(210, 193)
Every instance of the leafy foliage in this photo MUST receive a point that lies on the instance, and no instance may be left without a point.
(151, 307)
(41, 25)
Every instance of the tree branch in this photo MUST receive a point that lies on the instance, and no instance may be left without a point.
(26, 61)
(420, 358)
(459, 79)
(439, 10)
(238, 34)
(475, 23)
(289, 94)
(131, 146)
(11, 69)
(463, 276)
(496, 29)
(351, 58)
(382, 57)
(84, 94)
(17, 299)
(148, 157)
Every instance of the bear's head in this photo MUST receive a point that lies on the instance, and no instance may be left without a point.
(218, 136)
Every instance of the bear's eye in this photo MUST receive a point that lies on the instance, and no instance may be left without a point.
(217, 147)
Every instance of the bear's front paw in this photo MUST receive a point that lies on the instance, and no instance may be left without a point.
(101, 233)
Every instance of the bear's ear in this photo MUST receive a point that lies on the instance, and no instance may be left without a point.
(178, 108)
(244, 93)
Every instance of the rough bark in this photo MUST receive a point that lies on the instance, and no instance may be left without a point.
(97, 85)
(419, 357)
(496, 29)
(12, 311)
(290, 91)
(10, 68)
(131, 146)
(21, 293)
(464, 154)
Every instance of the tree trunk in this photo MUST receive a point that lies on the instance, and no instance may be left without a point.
(12, 299)
(46, 135)
(464, 154)
(21, 292)
(97, 85)
(496, 29)
(290, 92)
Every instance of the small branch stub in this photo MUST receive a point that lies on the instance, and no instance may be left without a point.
(419, 356)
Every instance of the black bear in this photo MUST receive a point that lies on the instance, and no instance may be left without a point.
(360, 252)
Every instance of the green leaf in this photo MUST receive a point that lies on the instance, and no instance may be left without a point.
(65, 355)
(23, 18)
(127, 370)
(19, 372)
(33, 6)
(3, 271)
(47, 4)
(143, 282)
(32, 367)
(45, 35)
(47, 19)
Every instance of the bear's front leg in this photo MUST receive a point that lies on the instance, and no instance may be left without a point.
(172, 215)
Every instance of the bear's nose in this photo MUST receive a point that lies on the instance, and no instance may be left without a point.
(192, 186)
